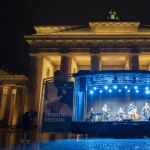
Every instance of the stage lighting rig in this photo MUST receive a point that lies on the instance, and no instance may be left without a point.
(128, 91)
(125, 87)
(115, 86)
(91, 92)
(101, 91)
(136, 87)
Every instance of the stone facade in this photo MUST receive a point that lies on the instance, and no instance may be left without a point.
(99, 46)
(13, 94)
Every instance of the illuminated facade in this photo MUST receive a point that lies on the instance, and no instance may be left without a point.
(13, 91)
(60, 50)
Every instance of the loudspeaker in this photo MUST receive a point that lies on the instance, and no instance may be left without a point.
(126, 118)
(82, 83)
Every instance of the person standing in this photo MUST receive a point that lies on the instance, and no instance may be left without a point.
(120, 114)
(26, 125)
(146, 111)
(105, 110)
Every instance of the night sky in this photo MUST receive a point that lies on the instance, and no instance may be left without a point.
(18, 18)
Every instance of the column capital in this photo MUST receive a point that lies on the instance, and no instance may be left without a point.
(133, 54)
(64, 50)
(35, 55)
(135, 50)
(92, 54)
(95, 51)
(65, 54)
(5, 89)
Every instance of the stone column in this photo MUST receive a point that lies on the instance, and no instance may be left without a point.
(95, 62)
(1, 94)
(134, 62)
(7, 105)
(34, 83)
(65, 66)
(12, 105)
(3, 102)
(19, 106)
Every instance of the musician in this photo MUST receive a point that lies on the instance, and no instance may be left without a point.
(105, 110)
(131, 106)
(133, 111)
(120, 113)
(146, 111)
(91, 114)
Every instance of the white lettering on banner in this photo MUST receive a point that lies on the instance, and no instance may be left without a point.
(55, 120)
(55, 115)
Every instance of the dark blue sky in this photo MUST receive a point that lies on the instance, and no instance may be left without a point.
(18, 18)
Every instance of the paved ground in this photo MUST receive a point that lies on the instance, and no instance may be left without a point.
(10, 140)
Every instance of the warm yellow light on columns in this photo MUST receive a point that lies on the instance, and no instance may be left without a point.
(7, 105)
(95, 62)
(65, 66)
(134, 62)
(12, 106)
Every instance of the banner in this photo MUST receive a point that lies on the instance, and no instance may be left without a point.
(57, 107)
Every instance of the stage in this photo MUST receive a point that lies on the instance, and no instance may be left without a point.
(114, 129)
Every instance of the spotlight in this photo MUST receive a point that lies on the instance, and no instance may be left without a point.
(110, 91)
(125, 87)
(119, 90)
(136, 87)
(147, 88)
(147, 92)
(137, 91)
(147, 81)
(91, 92)
(115, 87)
(101, 91)
(95, 88)
(106, 87)
(128, 91)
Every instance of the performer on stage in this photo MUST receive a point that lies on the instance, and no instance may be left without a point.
(120, 114)
(146, 111)
(91, 114)
(133, 112)
(105, 110)
(131, 106)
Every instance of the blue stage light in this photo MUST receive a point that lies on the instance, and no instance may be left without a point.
(137, 91)
(147, 92)
(106, 87)
(119, 90)
(128, 91)
(110, 91)
(136, 87)
(101, 91)
(115, 87)
(91, 92)
(147, 88)
(125, 87)
(95, 88)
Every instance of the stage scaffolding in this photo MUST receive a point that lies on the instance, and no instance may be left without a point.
(98, 79)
